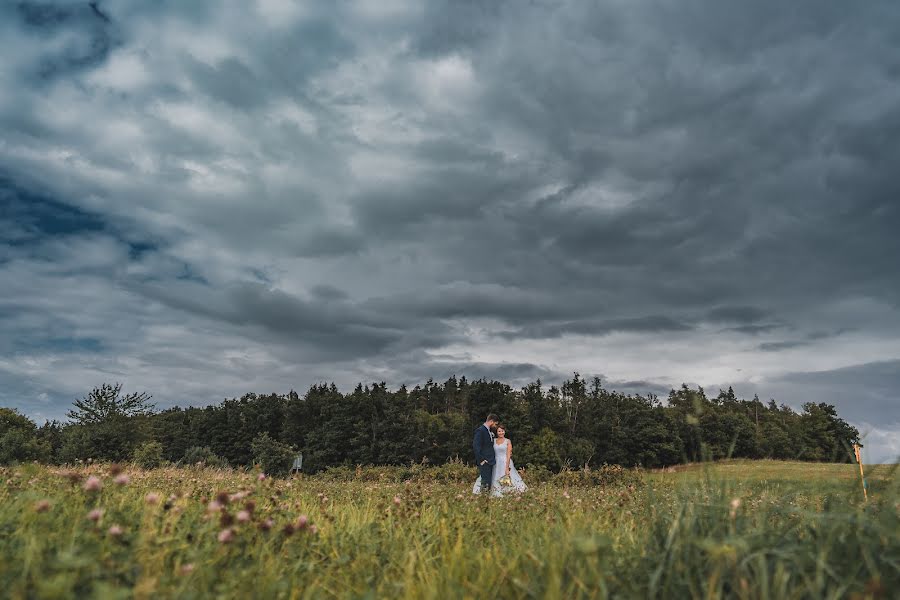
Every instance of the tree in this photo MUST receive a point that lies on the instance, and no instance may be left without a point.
(19, 440)
(204, 456)
(543, 450)
(273, 456)
(826, 436)
(149, 455)
(106, 425)
(104, 404)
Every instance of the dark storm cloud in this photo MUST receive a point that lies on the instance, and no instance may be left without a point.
(91, 43)
(514, 374)
(325, 326)
(654, 324)
(786, 345)
(737, 314)
(29, 215)
(368, 187)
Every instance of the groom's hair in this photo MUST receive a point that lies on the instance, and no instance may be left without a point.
(492, 417)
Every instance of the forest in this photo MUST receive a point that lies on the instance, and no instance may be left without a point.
(577, 424)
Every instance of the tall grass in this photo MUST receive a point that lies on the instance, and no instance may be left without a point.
(225, 534)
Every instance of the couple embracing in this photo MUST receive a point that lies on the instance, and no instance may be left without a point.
(493, 456)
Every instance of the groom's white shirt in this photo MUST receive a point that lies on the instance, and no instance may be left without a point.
(491, 433)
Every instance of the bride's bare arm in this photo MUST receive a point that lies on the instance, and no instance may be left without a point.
(508, 455)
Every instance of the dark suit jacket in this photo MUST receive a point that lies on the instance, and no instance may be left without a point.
(483, 446)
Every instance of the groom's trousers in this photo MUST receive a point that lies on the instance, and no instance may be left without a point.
(487, 474)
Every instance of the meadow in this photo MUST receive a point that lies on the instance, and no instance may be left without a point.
(741, 529)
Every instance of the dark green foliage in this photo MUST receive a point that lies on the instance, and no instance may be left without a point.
(105, 404)
(19, 439)
(578, 424)
(149, 455)
(105, 425)
(273, 456)
(202, 455)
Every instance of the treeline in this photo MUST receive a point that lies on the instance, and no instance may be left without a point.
(579, 423)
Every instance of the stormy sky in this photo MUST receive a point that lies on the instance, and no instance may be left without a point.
(201, 199)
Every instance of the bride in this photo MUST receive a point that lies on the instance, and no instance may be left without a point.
(503, 469)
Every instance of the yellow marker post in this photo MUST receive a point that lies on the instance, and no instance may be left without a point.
(862, 477)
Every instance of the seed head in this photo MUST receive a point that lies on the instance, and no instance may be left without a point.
(92, 484)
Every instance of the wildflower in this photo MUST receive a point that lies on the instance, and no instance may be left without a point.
(95, 515)
(42, 506)
(214, 506)
(226, 520)
(566, 495)
(226, 535)
(187, 569)
(302, 522)
(223, 498)
(92, 484)
(250, 506)
(313, 529)
(122, 479)
(261, 476)
(243, 516)
(115, 531)
(266, 525)
(397, 500)
(288, 529)
(115, 469)
(735, 504)
(152, 498)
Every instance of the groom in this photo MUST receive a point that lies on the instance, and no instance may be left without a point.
(483, 445)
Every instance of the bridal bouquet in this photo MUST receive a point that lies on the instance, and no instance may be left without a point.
(505, 480)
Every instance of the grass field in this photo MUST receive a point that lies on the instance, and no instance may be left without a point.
(737, 529)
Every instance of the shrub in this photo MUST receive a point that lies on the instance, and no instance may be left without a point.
(606, 475)
(536, 474)
(18, 439)
(149, 455)
(454, 471)
(17, 445)
(273, 456)
(205, 456)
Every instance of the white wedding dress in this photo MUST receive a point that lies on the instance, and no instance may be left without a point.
(516, 485)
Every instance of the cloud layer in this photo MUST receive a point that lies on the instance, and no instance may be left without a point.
(201, 199)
